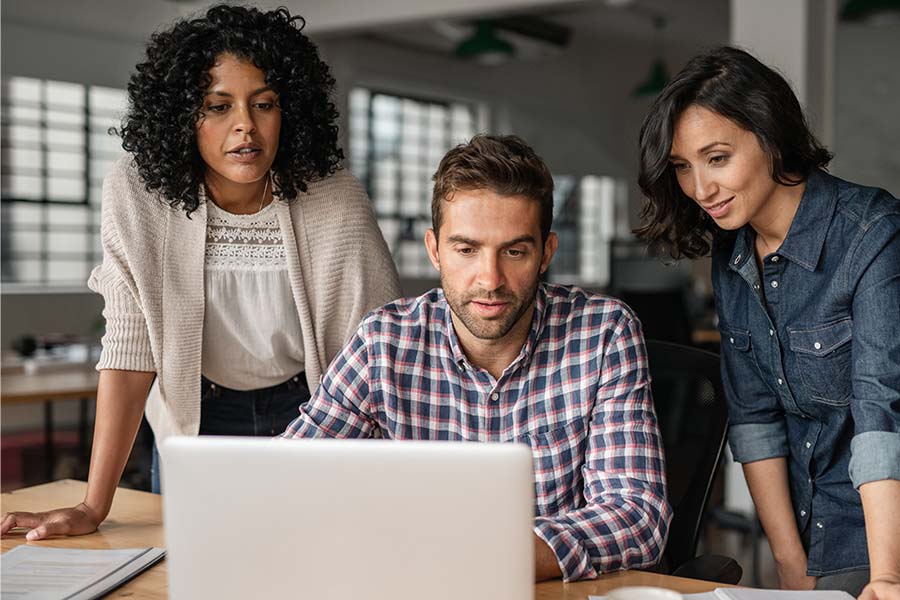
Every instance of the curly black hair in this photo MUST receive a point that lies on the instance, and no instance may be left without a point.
(166, 94)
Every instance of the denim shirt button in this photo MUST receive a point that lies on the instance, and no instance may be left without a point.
(737, 259)
(780, 381)
(775, 259)
(802, 513)
(819, 525)
(731, 340)
(774, 284)
(808, 445)
(817, 345)
(771, 332)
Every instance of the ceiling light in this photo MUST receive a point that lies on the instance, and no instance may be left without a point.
(484, 46)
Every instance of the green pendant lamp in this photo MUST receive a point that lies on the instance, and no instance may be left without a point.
(484, 46)
(658, 77)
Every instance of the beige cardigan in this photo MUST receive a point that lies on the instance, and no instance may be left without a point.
(151, 279)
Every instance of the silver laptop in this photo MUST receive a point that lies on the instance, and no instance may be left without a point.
(348, 520)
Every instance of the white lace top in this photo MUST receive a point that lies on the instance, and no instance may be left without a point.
(251, 328)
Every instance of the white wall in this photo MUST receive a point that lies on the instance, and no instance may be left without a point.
(867, 105)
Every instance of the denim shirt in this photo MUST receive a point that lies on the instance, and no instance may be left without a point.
(811, 358)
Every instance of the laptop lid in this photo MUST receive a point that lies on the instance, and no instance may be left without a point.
(348, 519)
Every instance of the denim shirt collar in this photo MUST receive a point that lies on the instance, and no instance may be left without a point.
(806, 236)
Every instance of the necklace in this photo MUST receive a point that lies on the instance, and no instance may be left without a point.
(263, 199)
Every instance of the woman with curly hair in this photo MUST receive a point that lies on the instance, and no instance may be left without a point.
(806, 275)
(238, 255)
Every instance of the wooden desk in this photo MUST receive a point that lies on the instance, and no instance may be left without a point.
(136, 521)
(78, 382)
(74, 383)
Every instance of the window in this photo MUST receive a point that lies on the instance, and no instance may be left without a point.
(55, 151)
(396, 144)
(585, 210)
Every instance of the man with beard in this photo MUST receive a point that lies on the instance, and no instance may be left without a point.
(496, 355)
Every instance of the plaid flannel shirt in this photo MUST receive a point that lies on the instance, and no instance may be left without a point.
(578, 394)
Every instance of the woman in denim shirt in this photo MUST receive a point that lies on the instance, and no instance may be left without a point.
(806, 273)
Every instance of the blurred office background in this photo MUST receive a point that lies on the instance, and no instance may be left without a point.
(414, 78)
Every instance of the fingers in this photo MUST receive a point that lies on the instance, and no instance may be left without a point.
(19, 519)
(56, 523)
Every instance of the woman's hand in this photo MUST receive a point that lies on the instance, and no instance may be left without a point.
(882, 588)
(78, 520)
(792, 575)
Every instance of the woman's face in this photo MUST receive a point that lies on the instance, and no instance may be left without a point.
(237, 135)
(722, 167)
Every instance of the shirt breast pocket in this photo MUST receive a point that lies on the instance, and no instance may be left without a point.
(824, 359)
(557, 456)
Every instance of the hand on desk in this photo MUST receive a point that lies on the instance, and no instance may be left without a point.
(78, 520)
(792, 575)
(882, 588)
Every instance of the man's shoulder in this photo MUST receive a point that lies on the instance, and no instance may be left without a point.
(405, 315)
(567, 303)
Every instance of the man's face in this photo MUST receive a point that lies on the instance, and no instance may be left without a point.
(490, 257)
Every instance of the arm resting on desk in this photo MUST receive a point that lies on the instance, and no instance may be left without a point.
(121, 396)
(881, 506)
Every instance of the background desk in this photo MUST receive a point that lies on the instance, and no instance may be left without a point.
(73, 383)
(136, 521)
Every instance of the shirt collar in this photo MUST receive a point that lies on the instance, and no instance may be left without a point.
(537, 324)
(806, 236)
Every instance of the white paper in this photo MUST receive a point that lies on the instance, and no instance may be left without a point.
(754, 594)
(41, 573)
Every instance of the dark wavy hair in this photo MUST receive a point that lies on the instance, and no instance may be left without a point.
(732, 83)
(166, 94)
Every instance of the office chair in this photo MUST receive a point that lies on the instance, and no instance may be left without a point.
(690, 406)
(663, 313)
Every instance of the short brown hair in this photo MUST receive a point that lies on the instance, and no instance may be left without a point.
(504, 164)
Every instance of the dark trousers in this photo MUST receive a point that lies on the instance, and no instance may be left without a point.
(263, 412)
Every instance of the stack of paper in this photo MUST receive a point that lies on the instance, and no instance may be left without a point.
(752, 594)
(41, 573)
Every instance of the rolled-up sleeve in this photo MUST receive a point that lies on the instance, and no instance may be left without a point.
(757, 429)
(126, 340)
(875, 447)
(626, 516)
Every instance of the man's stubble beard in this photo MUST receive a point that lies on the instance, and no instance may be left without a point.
(490, 329)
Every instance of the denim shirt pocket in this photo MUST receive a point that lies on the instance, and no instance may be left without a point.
(737, 339)
(824, 360)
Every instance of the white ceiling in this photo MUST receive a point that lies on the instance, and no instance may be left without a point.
(696, 21)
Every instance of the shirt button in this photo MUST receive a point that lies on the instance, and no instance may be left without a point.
(817, 345)
(771, 332)
(774, 284)
(802, 513)
(774, 259)
(731, 340)
(808, 445)
(495, 396)
(756, 286)
(819, 525)
(737, 259)
(780, 381)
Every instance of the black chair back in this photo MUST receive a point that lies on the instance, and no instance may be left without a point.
(690, 406)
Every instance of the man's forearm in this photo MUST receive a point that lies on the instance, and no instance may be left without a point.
(881, 506)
